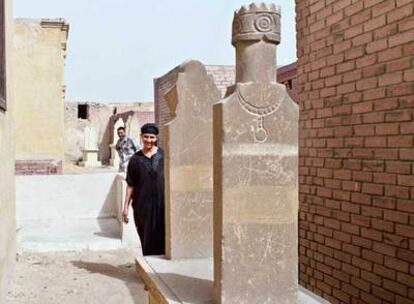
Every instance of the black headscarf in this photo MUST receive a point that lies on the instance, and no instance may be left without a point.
(149, 128)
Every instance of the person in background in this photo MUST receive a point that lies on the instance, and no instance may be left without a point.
(126, 147)
(145, 188)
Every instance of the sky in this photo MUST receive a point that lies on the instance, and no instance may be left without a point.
(117, 47)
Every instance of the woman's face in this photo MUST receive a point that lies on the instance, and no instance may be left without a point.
(148, 140)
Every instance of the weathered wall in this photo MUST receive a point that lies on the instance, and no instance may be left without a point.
(7, 205)
(101, 117)
(39, 48)
(356, 74)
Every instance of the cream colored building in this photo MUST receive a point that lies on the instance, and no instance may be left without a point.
(40, 51)
(7, 202)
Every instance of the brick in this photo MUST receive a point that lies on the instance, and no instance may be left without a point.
(360, 39)
(385, 178)
(375, 23)
(361, 17)
(390, 78)
(406, 154)
(373, 165)
(387, 129)
(408, 76)
(405, 230)
(383, 8)
(406, 255)
(369, 298)
(385, 105)
(401, 90)
(366, 60)
(407, 127)
(397, 191)
(371, 234)
(386, 154)
(401, 38)
(383, 294)
(360, 284)
(396, 240)
(406, 180)
(405, 24)
(339, 294)
(398, 167)
(370, 188)
(374, 94)
(386, 31)
(362, 107)
(350, 228)
(395, 287)
(376, 141)
(403, 141)
(398, 116)
(341, 4)
(375, 70)
(341, 46)
(390, 54)
(405, 279)
(385, 249)
(405, 205)
(384, 272)
(396, 216)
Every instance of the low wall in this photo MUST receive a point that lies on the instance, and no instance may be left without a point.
(66, 204)
(66, 196)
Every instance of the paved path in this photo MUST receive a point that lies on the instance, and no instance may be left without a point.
(77, 277)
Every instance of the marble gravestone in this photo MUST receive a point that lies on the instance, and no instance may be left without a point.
(91, 150)
(115, 160)
(255, 171)
(188, 156)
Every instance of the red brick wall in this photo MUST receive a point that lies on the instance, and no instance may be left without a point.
(223, 76)
(287, 75)
(356, 92)
(38, 167)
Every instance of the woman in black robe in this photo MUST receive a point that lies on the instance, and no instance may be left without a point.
(145, 179)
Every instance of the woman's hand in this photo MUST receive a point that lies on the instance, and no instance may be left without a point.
(124, 216)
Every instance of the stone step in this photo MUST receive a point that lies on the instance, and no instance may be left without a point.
(188, 281)
(68, 234)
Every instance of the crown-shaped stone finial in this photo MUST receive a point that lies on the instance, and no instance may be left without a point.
(255, 22)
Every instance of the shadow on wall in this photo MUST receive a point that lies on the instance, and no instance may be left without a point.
(106, 141)
(110, 209)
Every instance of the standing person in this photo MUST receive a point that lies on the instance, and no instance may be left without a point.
(126, 147)
(145, 179)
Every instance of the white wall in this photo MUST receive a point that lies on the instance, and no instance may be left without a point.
(66, 196)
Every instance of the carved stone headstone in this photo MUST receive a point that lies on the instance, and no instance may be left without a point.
(255, 171)
(115, 160)
(90, 151)
(188, 155)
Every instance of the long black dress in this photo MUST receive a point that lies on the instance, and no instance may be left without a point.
(146, 176)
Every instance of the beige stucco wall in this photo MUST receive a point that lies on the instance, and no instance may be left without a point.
(39, 48)
(101, 118)
(7, 202)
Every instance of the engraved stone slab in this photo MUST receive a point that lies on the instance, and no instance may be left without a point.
(187, 142)
(90, 151)
(115, 160)
(255, 172)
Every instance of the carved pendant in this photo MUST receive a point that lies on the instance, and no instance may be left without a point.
(260, 132)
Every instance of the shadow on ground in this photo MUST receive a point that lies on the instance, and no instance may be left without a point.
(124, 273)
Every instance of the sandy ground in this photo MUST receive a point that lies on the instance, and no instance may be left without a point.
(77, 277)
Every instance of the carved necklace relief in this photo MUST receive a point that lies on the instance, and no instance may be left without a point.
(260, 132)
